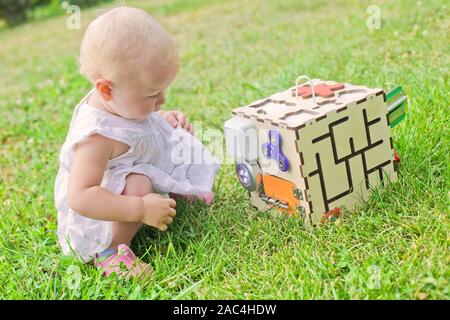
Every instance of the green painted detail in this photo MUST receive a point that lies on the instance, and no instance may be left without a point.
(396, 115)
(399, 108)
(396, 101)
(393, 92)
(396, 121)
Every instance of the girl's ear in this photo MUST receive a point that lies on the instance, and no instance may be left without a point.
(104, 88)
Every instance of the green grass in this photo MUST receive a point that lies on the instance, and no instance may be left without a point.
(234, 52)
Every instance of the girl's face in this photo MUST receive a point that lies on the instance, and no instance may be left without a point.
(137, 102)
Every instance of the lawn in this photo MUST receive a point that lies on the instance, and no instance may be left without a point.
(234, 52)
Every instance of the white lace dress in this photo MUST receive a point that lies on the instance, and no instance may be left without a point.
(173, 159)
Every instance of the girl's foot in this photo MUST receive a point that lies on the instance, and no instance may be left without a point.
(124, 263)
(207, 198)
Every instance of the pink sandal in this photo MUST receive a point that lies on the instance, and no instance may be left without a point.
(124, 263)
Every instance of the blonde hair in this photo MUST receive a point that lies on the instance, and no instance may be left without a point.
(117, 41)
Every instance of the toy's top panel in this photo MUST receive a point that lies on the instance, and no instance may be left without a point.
(292, 109)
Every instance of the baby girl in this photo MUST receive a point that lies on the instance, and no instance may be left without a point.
(117, 166)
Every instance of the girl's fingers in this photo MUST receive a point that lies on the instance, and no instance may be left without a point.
(168, 220)
(181, 119)
(177, 117)
(172, 212)
(172, 203)
(190, 129)
(171, 120)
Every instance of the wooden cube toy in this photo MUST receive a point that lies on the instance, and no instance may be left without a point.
(314, 149)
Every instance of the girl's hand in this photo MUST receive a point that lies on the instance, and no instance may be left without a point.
(175, 117)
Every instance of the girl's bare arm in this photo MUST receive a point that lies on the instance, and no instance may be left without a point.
(87, 197)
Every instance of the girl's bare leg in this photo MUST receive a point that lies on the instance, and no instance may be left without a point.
(124, 232)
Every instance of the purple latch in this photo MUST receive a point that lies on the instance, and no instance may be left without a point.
(272, 150)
